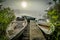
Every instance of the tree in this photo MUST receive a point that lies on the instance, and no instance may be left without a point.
(59, 1)
(55, 1)
(1, 1)
(6, 16)
(54, 16)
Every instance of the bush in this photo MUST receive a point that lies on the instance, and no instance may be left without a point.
(6, 16)
(54, 16)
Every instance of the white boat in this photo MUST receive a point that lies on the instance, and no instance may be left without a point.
(15, 28)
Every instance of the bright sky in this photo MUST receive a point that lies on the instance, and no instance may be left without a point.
(34, 8)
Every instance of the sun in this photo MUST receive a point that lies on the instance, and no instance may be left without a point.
(24, 4)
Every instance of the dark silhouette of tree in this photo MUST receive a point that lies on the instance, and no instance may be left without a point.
(55, 1)
(50, 3)
(1, 1)
(59, 1)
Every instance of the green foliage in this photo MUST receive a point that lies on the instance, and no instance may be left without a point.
(55, 1)
(1, 1)
(54, 16)
(3, 37)
(6, 16)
